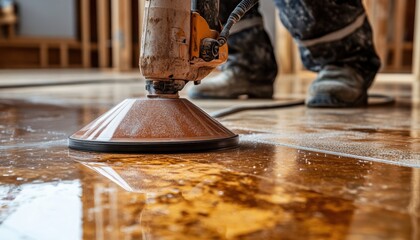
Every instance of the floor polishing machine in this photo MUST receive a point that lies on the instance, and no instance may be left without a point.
(182, 41)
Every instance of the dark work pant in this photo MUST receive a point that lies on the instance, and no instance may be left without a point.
(328, 32)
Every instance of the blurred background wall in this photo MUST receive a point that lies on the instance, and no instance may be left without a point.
(47, 18)
(104, 34)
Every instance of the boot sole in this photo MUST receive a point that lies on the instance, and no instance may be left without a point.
(330, 101)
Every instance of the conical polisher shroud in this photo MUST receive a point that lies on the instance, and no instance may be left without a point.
(153, 125)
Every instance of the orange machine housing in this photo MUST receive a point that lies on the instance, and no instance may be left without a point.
(172, 49)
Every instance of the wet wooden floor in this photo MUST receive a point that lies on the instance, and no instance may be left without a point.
(298, 174)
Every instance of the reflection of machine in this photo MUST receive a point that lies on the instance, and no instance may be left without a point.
(178, 46)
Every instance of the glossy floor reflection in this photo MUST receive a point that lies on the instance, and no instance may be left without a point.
(298, 174)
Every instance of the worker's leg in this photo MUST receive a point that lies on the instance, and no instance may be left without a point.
(335, 39)
(251, 67)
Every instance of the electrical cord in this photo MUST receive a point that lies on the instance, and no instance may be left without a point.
(236, 109)
(385, 101)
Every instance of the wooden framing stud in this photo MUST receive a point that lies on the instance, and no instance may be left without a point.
(64, 55)
(103, 33)
(416, 56)
(121, 35)
(43, 55)
(284, 48)
(399, 21)
(85, 22)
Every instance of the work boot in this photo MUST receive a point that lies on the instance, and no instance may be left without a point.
(250, 70)
(337, 87)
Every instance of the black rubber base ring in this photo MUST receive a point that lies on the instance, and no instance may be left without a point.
(153, 147)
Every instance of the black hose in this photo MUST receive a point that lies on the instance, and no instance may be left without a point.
(386, 100)
(240, 10)
(237, 109)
